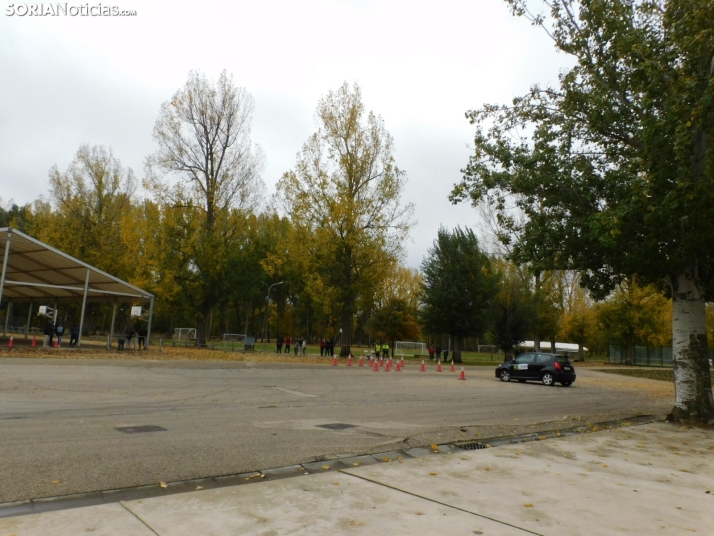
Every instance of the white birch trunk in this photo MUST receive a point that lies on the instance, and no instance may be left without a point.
(689, 349)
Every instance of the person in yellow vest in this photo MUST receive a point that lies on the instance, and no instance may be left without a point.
(385, 350)
(377, 349)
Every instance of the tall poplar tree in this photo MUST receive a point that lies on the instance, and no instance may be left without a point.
(205, 168)
(344, 196)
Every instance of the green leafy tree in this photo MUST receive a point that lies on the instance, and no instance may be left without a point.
(614, 169)
(203, 134)
(514, 309)
(634, 315)
(344, 197)
(395, 321)
(458, 289)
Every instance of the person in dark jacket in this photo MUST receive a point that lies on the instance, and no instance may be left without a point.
(49, 331)
(73, 336)
(129, 335)
(279, 342)
(143, 332)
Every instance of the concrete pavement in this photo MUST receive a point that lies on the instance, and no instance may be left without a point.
(634, 479)
(69, 420)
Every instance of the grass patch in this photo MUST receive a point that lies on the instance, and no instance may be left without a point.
(665, 375)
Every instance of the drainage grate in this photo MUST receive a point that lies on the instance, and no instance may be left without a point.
(472, 446)
(140, 429)
(337, 426)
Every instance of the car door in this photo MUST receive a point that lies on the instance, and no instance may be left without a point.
(536, 368)
(520, 366)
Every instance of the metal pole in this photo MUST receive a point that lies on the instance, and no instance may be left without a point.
(29, 317)
(147, 342)
(4, 267)
(54, 314)
(7, 316)
(111, 328)
(84, 305)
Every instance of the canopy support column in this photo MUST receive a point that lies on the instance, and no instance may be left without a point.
(84, 306)
(29, 318)
(4, 265)
(8, 313)
(147, 342)
(111, 328)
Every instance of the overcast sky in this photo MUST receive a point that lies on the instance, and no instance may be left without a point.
(68, 80)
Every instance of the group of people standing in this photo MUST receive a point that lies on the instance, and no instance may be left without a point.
(381, 349)
(297, 345)
(136, 337)
(437, 351)
(58, 330)
(327, 347)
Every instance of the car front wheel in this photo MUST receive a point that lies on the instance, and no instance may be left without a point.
(547, 379)
(505, 376)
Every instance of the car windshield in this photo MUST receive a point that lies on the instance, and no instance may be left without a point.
(562, 359)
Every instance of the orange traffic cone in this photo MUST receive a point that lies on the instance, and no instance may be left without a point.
(452, 366)
(11, 342)
(462, 376)
(438, 366)
(402, 362)
(423, 366)
(56, 344)
(349, 360)
(361, 361)
(33, 344)
(386, 365)
(376, 366)
(399, 367)
(381, 362)
(334, 361)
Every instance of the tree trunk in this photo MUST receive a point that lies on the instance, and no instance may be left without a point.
(536, 335)
(346, 335)
(581, 352)
(507, 354)
(629, 352)
(348, 301)
(458, 345)
(692, 378)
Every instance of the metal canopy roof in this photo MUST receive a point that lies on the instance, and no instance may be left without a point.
(38, 271)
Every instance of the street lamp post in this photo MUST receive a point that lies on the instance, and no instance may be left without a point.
(267, 304)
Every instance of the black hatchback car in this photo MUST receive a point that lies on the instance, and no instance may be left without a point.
(547, 368)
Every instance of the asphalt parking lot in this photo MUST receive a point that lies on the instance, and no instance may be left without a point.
(71, 426)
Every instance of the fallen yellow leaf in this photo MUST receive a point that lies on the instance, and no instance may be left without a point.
(335, 483)
(433, 473)
(199, 488)
(325, 467)
(356, 464)
(163, 484)
(56, 481)
(486, 468)
(386, 459)
(528, 505)
(434, 447)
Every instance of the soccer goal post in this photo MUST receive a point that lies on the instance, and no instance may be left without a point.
(233, 341)
(182, 334)
(410, 348)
